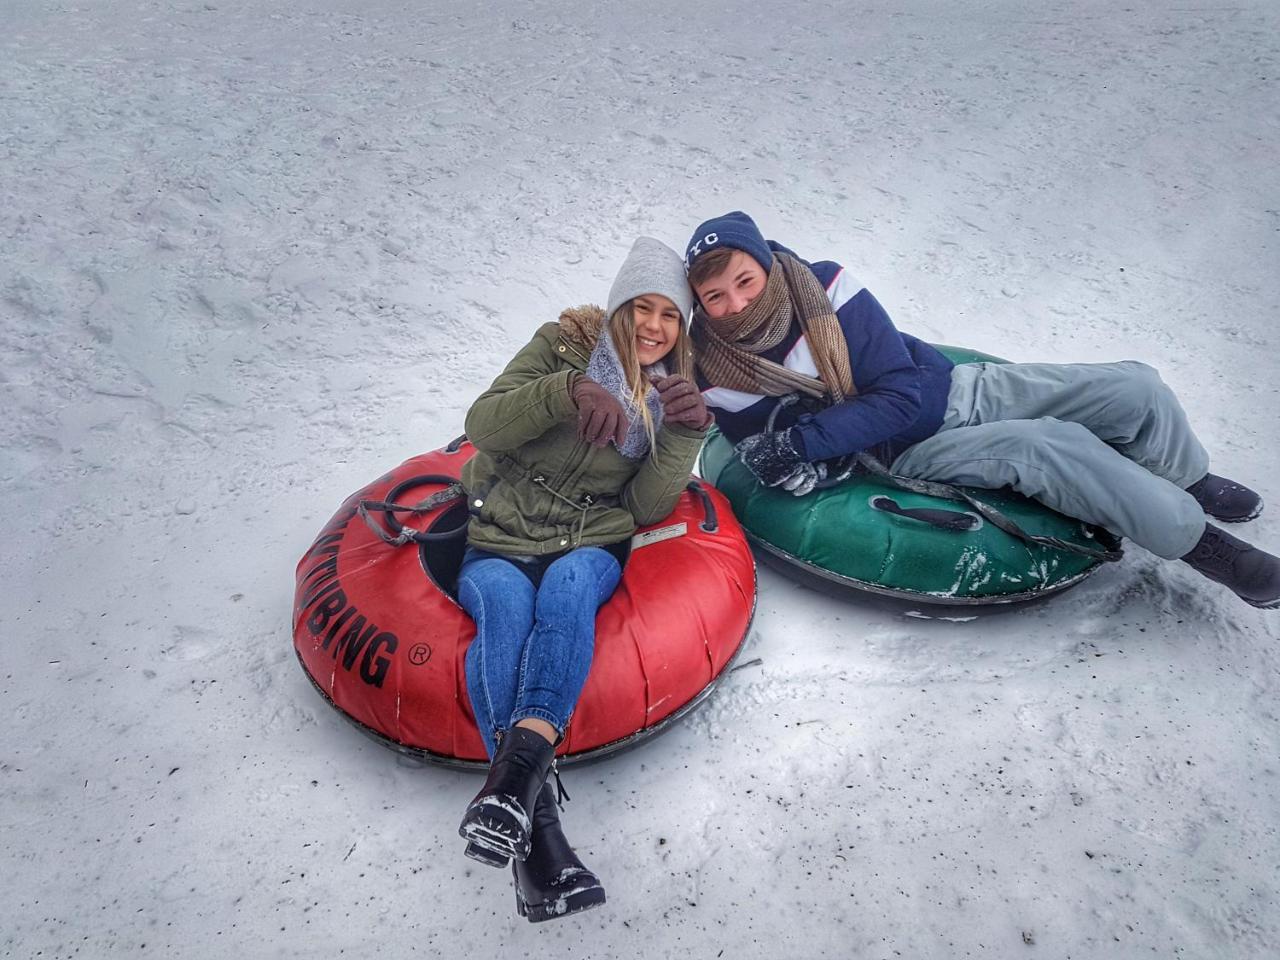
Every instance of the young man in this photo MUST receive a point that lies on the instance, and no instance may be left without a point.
(1106, 443)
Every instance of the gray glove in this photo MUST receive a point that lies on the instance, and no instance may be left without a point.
(774, 460)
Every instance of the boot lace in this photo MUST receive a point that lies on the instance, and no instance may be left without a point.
(1216, 552)
(561, 793)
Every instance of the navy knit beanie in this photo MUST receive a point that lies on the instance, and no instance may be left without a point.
(735, 230)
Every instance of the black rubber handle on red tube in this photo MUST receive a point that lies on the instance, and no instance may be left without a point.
(390, 506)
(711, 521)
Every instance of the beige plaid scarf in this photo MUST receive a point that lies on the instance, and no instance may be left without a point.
(728, 353)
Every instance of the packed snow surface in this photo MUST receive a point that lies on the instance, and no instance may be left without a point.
(254, 254)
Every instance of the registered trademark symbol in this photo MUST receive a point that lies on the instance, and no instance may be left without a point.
(419, 654)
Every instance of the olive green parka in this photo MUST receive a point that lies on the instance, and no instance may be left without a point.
(534, 487)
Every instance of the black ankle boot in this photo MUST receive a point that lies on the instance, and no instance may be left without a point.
(552, 882)
(1225, 499)
(497, 824)
(1253, 574)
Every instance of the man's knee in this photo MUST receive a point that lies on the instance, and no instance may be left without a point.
(1142, 388)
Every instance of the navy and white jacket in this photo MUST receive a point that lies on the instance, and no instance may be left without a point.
(902, 383)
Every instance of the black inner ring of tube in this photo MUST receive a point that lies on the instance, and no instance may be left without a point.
(441, 558)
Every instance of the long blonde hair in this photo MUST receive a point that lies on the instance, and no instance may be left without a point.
(679, 362)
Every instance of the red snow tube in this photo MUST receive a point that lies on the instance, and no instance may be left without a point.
(379, 633)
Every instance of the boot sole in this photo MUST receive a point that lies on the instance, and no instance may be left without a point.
(486, 856)
(494, 833)
(575, 902)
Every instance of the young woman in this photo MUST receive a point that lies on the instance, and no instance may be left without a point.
(590, 431)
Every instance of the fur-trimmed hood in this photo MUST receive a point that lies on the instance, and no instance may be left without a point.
(582, 325)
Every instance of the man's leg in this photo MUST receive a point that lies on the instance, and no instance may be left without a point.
(1067, 467)
(1124, 404)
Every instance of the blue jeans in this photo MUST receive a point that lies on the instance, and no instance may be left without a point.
(535, 633)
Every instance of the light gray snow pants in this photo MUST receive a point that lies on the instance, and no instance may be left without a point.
(1107, 443)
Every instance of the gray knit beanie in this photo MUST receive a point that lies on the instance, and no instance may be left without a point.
(652, 267)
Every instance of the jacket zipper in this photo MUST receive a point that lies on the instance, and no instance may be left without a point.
(578, 453)
(572, 463)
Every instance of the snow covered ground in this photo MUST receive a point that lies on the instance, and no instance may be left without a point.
(252, 254)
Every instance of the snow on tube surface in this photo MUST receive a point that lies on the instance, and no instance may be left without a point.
(848, 538)
(380, 635)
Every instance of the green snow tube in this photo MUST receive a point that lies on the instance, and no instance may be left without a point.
(867, 534)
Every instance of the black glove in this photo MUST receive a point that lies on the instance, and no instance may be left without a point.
(776, 463)
(600, 415)
(682, 403)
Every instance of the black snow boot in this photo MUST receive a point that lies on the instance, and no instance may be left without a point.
(1253, 574)
(497, 824)
(552, 882)
(1225, 499)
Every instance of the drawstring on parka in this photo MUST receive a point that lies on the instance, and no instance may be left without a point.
(587, 505)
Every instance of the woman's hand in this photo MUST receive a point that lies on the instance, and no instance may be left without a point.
(600, 415)
(682, 403)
